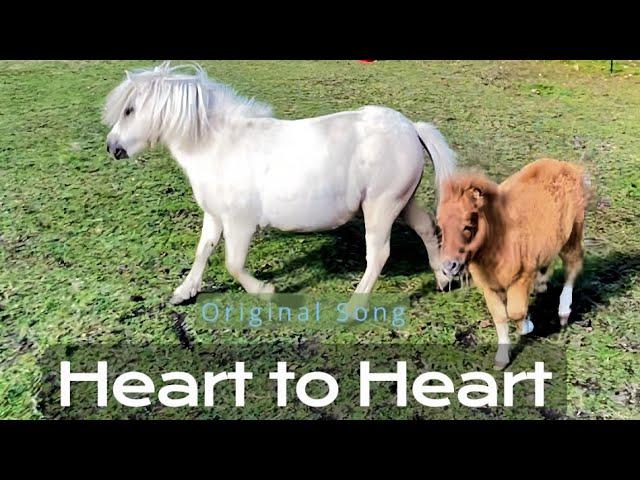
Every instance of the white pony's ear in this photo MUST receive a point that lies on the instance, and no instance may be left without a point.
(128, 74)
(163, 66)
(199, 69)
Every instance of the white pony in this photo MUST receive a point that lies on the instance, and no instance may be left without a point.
(249, 170)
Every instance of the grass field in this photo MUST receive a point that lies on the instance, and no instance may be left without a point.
(91, 248)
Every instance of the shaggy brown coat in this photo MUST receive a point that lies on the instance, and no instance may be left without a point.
(509, 234)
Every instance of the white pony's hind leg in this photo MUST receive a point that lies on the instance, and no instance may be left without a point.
(211, 230)
(424, 225)
(379, 215)
(237, 239)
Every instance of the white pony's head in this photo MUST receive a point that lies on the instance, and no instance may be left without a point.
(168, 104)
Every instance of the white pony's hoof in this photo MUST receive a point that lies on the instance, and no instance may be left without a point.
(267, 288)
(177, 299)
(526, 327)
(182, 294)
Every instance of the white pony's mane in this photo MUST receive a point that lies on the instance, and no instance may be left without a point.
(183, 104)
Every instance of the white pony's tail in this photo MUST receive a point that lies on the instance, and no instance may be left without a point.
(443, 158)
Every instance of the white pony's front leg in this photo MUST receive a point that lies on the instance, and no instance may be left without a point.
(237, 238)
(211, 230)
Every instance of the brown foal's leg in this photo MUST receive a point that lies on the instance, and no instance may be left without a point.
(518, 302)
(572, 255)
(501, 321)
(542, 278)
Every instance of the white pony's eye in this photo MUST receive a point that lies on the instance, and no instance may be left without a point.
(128, 111)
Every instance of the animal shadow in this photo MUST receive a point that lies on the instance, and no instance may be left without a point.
(603, 278)
(345, 255)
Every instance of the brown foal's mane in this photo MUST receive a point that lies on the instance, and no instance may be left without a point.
(456, 186)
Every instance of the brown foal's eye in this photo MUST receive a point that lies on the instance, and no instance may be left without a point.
(461, 250)
(128, 111)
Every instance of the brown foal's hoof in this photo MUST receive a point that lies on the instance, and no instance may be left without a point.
(564, 320)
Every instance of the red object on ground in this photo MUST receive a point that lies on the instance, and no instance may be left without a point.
(366, 61)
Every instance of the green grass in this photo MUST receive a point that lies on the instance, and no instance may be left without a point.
(91, 248)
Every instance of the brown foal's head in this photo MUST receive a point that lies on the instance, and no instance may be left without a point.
(462, 220)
